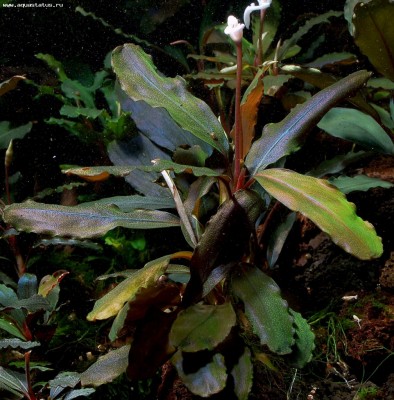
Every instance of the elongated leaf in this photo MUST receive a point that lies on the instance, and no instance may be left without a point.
(305, 341)
(14, 382)
(7, 296)
(129, 203)
(11, 328)
(353, 125)
(202, 327)
(265, 308)
(139, 79)
(110, 304)
(224, 241)
(327, 207)
(81, 221)
(74, 112)
(17, 344)
(62, 381)
(287, 136)
(208, 380)
(27, 286)
(106, 368)
(7, 133)
(322, 18)
(79, 393)
(243, 376)
(160, 128)
(347, 184)
(374, 34)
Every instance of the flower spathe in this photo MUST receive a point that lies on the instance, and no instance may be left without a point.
(263, 5)
(234, 29)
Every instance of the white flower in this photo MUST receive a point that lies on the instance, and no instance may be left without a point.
(234, 29)
(263, 5)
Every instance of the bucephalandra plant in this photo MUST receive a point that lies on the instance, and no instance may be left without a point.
(211, 309)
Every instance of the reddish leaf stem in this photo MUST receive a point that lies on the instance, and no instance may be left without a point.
(238, 124)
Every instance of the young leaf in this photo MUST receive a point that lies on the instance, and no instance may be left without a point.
(208, 380)
(110, 304)
(354, 125)
(243, 376)
(267, 312)
(81, 221)
(202, 327)
(327, 207)
(106, 368)
(140, 80)
(285, 137)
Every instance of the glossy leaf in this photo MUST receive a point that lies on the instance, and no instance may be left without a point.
(62, 381)
(140, 80)
(106, 368)
(304, 341)
(374, 34)
(11, 328)
(202, 327)
(347, 184)
(225, 239)
(285, 137)
(14, 382)
(76, 393)
(208, 380)
(249, 111)
(160, 128)
(243, 375)
(110, 304)
(133, 202)
(266, 310)
(81, 221)
(327, 207)
(353, 125)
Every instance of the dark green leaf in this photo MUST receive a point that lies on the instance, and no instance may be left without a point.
(27, 286)
(266, 310)
(11, 328)
(347, 184)
(353, 125)
(287, 136)
(374, 34)
(79, 393)
(74, 112)
(139, 79)
(304, 341)
(202, 327)
(7, 133)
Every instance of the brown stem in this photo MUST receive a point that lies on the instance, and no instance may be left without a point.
(238, 125)
(31, 395)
